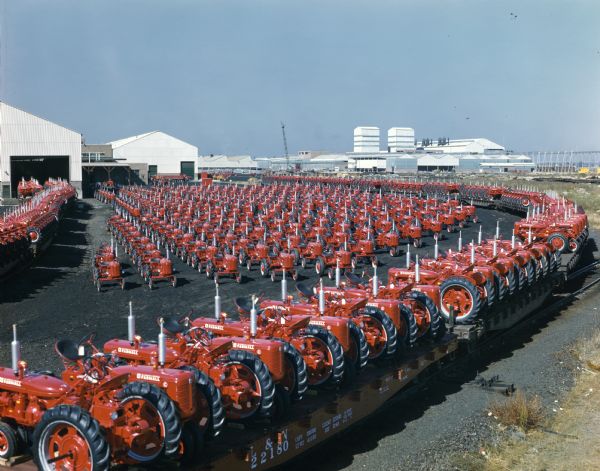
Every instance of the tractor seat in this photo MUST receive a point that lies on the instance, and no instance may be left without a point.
(243, 304)
(68, 349)
(354, 278)
(172, 326)
(305, 290)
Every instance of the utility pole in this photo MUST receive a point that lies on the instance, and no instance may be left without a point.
(285, 147)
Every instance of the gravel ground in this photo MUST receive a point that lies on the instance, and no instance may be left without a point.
(55, 298)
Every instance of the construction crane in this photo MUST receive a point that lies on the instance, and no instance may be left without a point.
(285, 148)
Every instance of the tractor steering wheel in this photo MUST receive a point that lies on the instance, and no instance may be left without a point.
(94, 366)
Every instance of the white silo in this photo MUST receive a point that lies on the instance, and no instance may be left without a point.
(401, 139)
(366, 139)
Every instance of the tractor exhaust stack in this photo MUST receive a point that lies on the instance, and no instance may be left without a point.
(162, 345)
(130, 325)
(321, 298)
(15, 350)
(283, 287)
(253, 322)
(407, 255)
(338, 274)
(375, 281)
(417, 270)
(217, 302)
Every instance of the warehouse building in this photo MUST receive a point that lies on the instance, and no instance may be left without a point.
(31, 146)
(162, 153)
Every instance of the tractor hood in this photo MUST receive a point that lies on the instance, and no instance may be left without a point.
(35, 384)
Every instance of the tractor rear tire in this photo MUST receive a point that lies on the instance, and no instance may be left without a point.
(412, 331)
(282, 404)
(490, 293)
(513, 284)
(164, 407)
(468, 288)
(559, 242)
(295, 360)
(9, 440)
(389, 327)
(212, 397)
(500, 286)
(319, 266)
(66, 417)
(437, 326)
(361, 342)
(335, 349)
(192, 444)
(263, 377)
(531, 273)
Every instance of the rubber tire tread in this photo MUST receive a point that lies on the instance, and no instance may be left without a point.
(263, 375)
(558, 235)
(437, 327)
(501, 289)
(361, 342)
(337, 352)
(12, 440)
(211, 393)
(476, 296)
(513, 284)
(87, 425)
(413, 331)
(490, 290)
(300, 369)
(193, 438)
(388, 325)
(164, 406)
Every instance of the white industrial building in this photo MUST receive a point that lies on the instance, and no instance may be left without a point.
(226, 162)
(162, 153)
(401, 139)
(366, 139)
(478, 145)
(31, 146)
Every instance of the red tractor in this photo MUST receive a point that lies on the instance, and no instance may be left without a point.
(158, 269)
(283, 263)
(411, 307)
(96, 418)
(246, 387)
(220, 265)
(320, 350)
(107, 269)
(195, 397)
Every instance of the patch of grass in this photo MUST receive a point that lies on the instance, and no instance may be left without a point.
(519, 410)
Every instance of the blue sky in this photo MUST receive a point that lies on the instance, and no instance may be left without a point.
(223, 74)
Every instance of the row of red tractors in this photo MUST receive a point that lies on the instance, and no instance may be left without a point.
(27, 228)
